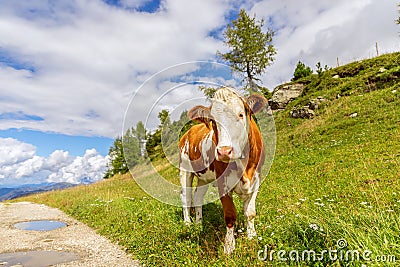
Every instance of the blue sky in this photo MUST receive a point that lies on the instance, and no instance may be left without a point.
(47, 143)
(69, 68)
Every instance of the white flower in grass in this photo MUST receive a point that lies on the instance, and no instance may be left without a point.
(364, 203)
(314, 226)
(260, 238)
(303, 199)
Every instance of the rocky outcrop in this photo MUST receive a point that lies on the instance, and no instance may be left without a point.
(308, 111)
(314, 103)
(302, 113)
(284, 94)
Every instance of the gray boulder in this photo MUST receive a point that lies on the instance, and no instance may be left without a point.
(285, 93)
(302, 113)
(315, 102)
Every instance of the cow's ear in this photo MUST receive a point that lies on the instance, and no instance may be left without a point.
(256, 102)
(200, 114)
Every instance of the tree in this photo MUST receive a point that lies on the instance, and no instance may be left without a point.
(164, 118)
(251, 49)
(207, 91)
(126, 151)
(301, 71)
(118, 163)
(131, 147)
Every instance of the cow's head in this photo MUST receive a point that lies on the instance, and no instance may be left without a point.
(230, 116)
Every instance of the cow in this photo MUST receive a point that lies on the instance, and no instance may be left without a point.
(227, 144)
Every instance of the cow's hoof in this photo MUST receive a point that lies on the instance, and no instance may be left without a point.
(229, 245)
(229, 248)
(251, 233)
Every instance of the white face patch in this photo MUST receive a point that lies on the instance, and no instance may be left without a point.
(232, 123)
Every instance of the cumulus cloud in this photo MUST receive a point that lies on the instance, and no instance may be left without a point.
(25, 167)
(79, 58)
(325, 31)
(76, 63)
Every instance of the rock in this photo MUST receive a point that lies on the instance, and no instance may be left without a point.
(285, 93)
(302, 113)
(353, 115)
(314, 103)
(381, 70)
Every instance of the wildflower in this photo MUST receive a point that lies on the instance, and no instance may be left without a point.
(303, 199)
(260, 238)
(314, 226)
(272, 233)
(364, 203)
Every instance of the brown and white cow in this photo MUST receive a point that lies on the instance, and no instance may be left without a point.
(228, 144)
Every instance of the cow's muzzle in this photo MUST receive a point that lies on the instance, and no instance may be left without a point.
(224, 153)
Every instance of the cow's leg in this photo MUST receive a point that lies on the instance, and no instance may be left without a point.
(249, 211)
(186, 193)
(199, 193)
(230, 219)
(249, 206)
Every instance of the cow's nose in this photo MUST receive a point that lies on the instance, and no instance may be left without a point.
(225, 152)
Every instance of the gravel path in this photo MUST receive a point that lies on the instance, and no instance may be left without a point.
(77, 238)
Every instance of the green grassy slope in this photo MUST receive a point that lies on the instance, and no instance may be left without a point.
(333, 177)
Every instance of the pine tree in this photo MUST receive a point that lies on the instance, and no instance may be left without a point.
(301, 71)
(251, 50)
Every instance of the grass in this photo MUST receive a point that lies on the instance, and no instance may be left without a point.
(333, 177)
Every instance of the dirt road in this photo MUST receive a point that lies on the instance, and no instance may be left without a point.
(73, 245)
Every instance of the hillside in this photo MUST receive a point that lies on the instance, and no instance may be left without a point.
(335, 180)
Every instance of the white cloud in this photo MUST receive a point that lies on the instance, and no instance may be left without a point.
(87, 56)
(324, 31)
(83, 58)
(25, 167)
(12, 151)
(90, 167)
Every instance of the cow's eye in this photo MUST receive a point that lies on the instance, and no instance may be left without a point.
(241, 115)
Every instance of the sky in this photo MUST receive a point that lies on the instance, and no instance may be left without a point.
(74, 74)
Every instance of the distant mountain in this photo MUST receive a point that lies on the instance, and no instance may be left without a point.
(15, 192)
